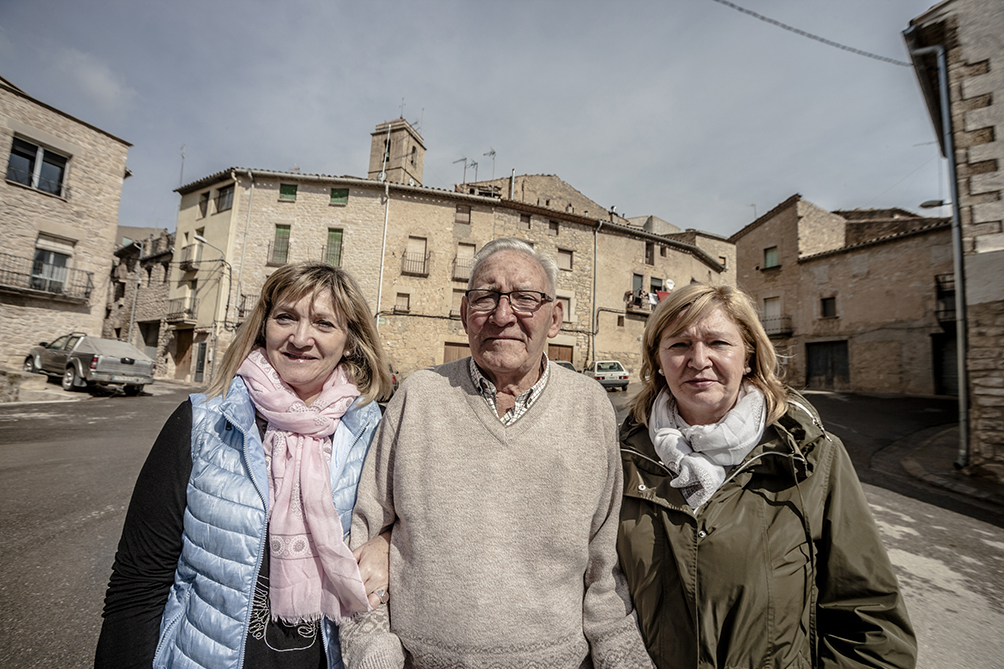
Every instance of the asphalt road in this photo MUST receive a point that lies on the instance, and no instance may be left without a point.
(67, 471)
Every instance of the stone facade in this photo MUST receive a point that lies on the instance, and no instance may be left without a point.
(138, 293)
(861, 317)
(972, 33)
(414, 274)
(58, 214)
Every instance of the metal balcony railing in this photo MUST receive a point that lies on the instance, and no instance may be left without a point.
(416, 264)
(247, 305)
(191, 256)
(777, 325)
(332, 254)
(945, 296)
(278, 253)
(25, 274)
(462, 268)
(181, 308)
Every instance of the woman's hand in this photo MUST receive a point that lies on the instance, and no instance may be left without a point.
(374, 566)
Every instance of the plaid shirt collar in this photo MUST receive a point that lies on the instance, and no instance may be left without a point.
(523, 402)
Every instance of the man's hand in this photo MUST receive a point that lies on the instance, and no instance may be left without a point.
(374, 567)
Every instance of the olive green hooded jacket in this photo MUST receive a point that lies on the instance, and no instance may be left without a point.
(738, 583)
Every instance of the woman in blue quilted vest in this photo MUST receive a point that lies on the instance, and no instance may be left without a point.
(233, 552)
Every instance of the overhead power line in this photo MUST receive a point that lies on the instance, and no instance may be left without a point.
(811, 36)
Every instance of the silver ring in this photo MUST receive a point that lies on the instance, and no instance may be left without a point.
(382, 595)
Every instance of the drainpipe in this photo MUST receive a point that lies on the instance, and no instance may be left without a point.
(244, 241)
(961, 343)
(383, 247)
(135, 292)
(512, 183)
(596, 313)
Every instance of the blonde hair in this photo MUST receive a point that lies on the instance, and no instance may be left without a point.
(685, 307)
(364, 361)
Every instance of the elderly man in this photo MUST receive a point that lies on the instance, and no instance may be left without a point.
(500, 479)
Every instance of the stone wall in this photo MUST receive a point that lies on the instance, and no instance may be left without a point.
(84, 215)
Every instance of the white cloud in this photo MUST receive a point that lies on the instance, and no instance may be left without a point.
(94, 80)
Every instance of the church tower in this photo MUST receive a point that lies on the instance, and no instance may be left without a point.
(398, 152)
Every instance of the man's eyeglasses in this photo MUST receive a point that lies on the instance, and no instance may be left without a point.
(520, 301)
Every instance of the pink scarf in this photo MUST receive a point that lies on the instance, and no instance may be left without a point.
(312, 572)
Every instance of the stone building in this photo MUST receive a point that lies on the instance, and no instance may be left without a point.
(957, 48)
(853, 300)
(410, 248)
(58, 214)
(138, 293)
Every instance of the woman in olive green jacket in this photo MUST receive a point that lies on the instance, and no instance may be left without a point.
(745, 536)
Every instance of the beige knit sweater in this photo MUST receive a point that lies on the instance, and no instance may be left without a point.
(504, 538)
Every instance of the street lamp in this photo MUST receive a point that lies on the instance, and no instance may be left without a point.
(932, 204)
(226, 311)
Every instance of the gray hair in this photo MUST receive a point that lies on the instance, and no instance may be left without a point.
(546, 262)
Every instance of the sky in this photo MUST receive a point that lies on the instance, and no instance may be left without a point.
(688, 110)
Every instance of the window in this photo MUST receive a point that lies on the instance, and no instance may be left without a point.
(637, 281)
(339, 196)
(402, 303)
(564, 259)
(414, 152)
(458, 296)
(828, 307)
(463, 214)
(620, 321)
(414, 261)
(655, 283)
(770, 257)
(287, 192)
(464, 261)
(721, 261)
(279, 252)
(203, 204)
(50, 267)
(33, 166)
(225, 198)
(566, 307)
(649, 253)
(663, 251)
(333, 251)
(552, 227)
(524, 221)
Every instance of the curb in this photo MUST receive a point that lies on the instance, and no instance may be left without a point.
(916, 470)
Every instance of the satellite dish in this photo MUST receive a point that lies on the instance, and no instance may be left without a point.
(383, 176)
(411, 181)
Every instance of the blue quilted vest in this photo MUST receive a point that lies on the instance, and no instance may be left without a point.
(208, 611)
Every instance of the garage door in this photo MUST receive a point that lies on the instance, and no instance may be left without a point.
(453, 352)
(559, 352)
(828, 365)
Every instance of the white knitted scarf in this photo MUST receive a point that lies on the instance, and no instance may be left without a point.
(699, 454)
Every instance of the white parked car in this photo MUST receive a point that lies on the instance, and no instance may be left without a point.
(610, 374)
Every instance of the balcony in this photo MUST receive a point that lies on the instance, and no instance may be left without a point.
(638, 302)
(191, 256)
(278, 253)
(415, 264)
(462, 268)
(777, 326)
(41, 279)
(247, 305)
(945, 296)
(181, 309)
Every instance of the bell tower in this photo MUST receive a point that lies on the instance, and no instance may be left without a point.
(397, 151)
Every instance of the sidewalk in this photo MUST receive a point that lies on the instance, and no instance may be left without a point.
(49, 390)
(929, 456)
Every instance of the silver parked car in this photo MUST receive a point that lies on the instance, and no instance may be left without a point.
(610, 374)
(80, 360)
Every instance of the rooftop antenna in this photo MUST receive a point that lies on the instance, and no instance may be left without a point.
(465, 167)
(475, 166)
(402, 108)
(181, 179)
(754, 210)
(491, 153)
